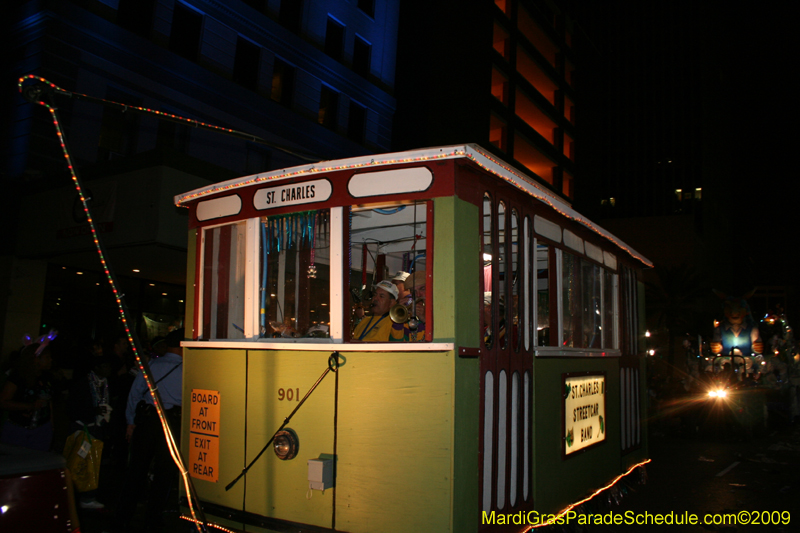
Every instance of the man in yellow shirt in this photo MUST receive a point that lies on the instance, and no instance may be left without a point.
(379, 327)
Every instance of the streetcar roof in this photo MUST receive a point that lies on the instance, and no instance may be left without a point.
(473, 152)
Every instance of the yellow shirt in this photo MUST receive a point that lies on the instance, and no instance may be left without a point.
(378, 329)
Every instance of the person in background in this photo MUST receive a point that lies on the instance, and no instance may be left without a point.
(404, 296)
(89, 407)
(147, 439)
(26, 396)
(157, 347)
(123, 371)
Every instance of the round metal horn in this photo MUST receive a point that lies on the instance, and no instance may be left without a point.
(399, 314)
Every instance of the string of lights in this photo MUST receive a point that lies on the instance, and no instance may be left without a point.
(52, 88)
(613, 482)
(472, 152)
(38, 96)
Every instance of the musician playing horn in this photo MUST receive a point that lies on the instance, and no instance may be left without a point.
(379, 327)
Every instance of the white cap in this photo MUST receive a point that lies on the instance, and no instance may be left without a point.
(389, 287)
(400, 276)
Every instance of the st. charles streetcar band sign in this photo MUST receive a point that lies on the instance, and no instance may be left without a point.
(584, 397)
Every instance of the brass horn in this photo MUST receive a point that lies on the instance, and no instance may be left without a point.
(399, 314)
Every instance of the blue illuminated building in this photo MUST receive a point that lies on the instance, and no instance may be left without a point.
(310, 77)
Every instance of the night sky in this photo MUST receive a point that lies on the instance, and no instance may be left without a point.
(709, 88)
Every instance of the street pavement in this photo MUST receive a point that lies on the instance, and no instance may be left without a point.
(713, 473)
(719, 473)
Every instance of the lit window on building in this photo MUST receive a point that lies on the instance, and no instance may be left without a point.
(534, 117)
(538, 38)
(504, 5)
(569, 147)
(608, 202)
(569, 109)
(567, 185)
(499, 85)
(498, 132)
(501, 41)
(534, 160)
(534, 74)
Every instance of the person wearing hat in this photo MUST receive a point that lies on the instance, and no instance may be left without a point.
(379, 327)
(147, 440)
(403, 294)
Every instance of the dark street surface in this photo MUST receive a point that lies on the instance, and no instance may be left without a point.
(717, 472)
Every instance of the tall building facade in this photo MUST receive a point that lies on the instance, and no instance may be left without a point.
(499, 73)
(309, 79)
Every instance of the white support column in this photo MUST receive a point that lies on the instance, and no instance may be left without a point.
(337, 279)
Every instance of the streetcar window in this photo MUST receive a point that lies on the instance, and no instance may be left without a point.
(591, 298)
(223, 272)
(516, 280)
(527, 301)
(487, 308)
(609, 310)
(588, 310)
(502, 267)
(570, 300)
(542, 273)
(294, 277)
(386, 240)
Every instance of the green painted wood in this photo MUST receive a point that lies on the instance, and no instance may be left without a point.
(453, 219)
(223, 371)
(277, 488)
(559, 482)
(395, 442)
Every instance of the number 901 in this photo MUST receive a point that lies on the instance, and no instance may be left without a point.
(289, 395)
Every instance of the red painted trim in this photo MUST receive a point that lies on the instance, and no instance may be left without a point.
(429, 228)
(197, 283)
(223, 280)
(208, 282)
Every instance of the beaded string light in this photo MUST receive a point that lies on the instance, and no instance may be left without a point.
(472, 152)
(34, 95)
(52, 87)
(555, 519)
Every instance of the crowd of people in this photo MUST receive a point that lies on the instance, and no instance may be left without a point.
(52, 388)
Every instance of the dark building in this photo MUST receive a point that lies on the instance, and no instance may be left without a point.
(503, 74)
(687, 163)
(312, 79)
